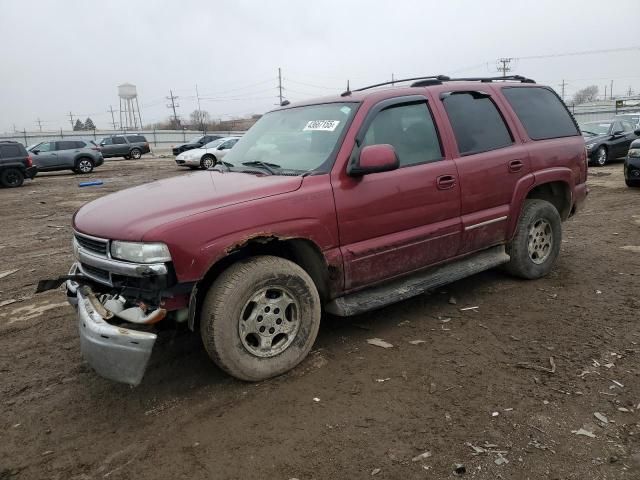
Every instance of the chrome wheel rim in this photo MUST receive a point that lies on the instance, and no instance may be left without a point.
(540, 241)
(84, 166)
(207, 162)
(602, 156)
(269, 322)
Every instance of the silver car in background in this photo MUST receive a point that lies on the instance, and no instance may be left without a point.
(80, 156)
(208, 155)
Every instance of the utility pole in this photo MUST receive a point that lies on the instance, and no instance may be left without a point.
(113, 119)
(629, 92)
(605, 92)
(173, 106)
(71, 119)
(504, 65)
(611, 90)
(39, 122)
(200, 114)
(280, 85)
(393, 79)
(562, 86)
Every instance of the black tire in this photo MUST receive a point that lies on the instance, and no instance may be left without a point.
(536, 244)
(11, 178)
(194, 168)
(601, 157)
(632, 183)
(135, 153)
(207, 161)
(84, 165)
(127, 157)
(224, 318)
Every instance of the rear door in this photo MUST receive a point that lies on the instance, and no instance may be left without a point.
(392, 223)
(120, 145)
(490, 163)
(67, 151)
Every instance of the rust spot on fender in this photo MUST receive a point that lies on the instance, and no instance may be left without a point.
(259, 237)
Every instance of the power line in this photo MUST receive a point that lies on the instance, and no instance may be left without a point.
(584, 52)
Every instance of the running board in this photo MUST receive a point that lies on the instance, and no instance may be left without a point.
(417, 283)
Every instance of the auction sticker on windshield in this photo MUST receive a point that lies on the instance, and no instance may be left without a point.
(322, 125)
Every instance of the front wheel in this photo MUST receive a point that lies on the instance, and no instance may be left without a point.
(207, 161)
(135, 153)
(11, 178)
(601, 156)
(536, 244)
(260, 318)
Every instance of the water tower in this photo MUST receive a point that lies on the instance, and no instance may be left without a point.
(130, 118)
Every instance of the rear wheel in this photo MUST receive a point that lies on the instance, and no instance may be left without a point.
(536, 244)
(260, 317)
(11, 178)
(601, 156)
(127, 157)
(135, 153)
(84, 165)
(632, 183)
(207, 161)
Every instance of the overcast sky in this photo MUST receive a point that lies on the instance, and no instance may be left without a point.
(62, 55)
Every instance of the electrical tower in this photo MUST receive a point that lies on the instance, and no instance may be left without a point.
(71, 119)
(173, 106)
(504, 65)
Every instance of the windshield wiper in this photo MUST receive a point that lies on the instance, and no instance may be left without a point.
(269, 167)
(588, 132)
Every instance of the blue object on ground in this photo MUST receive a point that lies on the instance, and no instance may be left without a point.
(90, 184)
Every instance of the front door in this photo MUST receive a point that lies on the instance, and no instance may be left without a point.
(391, 223)
(45, 156)
(120, 146)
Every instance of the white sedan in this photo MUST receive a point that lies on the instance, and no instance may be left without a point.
(207, 155)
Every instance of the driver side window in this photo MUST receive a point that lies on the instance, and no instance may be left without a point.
(107, 141)
(410, 129)
(46, 147)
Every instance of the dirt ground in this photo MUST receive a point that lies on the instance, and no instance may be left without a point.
(351, 410)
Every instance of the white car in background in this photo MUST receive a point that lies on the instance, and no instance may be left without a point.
(207, 155)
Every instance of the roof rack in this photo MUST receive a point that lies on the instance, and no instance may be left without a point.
(437, 80)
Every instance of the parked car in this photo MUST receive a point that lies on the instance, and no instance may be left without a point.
(608, 140)
(633, 117)
(208, 155)
(79, 156)
(196, 142)
(126, 146)
(343, 204)
(15, 164)
(632, 164)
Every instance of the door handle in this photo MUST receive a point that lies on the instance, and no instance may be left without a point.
(515, 166)
(445, 182)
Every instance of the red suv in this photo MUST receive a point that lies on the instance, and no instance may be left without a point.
(342, 204)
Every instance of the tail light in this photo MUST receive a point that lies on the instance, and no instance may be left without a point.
(29, 162)
(97, 149)
(146, 144)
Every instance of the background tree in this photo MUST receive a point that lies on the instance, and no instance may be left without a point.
(587, 94)
(78, 126)
(88, 124)
(200, 119)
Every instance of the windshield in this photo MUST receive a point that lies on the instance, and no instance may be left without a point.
(300, 138)
(196, 139)
(595, 128)
(214, 144)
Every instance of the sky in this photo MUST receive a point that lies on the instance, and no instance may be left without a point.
(63, 56)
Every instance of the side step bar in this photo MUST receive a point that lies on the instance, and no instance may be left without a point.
(417, 283)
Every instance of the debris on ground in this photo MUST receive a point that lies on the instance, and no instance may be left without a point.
(8, 272)
(375, 471)
(422, 456)
(378, 342)
(4, 303)
(469, 308)
(500, 460)
(92, 183)
(381, 380)
(453, 301)
(495, 414)
(459, 469)
(601, 417)
(539, 368)
(536, 444)
(416, 342)
(316, 399)
(432, 388)
(582, 431)
(617, 383)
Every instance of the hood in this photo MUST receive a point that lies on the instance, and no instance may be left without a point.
(635, 144)
(129, 214)
(595, 138)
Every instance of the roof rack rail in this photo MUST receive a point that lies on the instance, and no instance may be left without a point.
(517, 78)
(434, 80)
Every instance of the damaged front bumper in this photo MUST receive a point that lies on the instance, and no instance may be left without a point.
(114, 352)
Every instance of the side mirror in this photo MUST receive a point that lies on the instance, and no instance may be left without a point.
(374, 159)
(35, 152)
(618, 133)
(637, 132)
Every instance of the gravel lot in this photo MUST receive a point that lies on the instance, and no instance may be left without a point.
(460, 395)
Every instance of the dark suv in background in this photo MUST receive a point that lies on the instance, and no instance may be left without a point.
(194, 143)
(15, 164)
(79, 156)
(126, 146)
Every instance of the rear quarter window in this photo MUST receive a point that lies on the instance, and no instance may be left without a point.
(541, 112)
(10, 151)
(136, 139)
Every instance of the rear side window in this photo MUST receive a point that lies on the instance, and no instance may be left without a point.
(541, 112)
(476, 122)
(66, 145)
(119, 140)
(9, 151)
(410, 129)
(136, 139)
